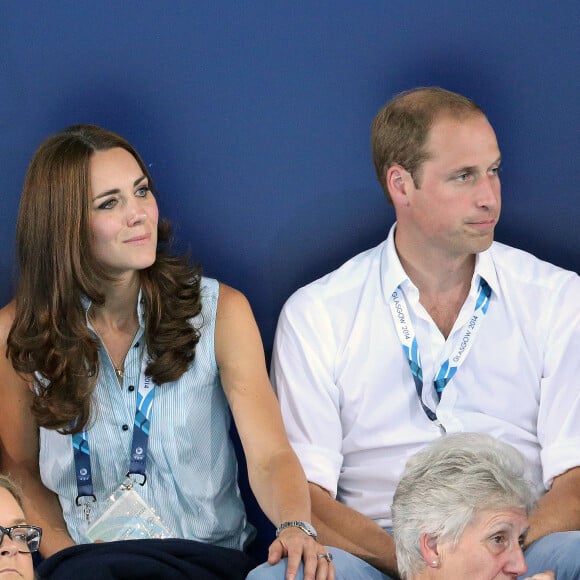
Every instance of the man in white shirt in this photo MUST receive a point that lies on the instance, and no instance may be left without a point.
(438, 329)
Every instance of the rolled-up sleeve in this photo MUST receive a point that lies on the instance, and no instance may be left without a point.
(303, 376)
(559, 410)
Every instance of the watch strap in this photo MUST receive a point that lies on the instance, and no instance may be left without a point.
(306, 527)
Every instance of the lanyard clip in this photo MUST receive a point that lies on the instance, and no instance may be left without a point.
(85, 502)
(131, 479)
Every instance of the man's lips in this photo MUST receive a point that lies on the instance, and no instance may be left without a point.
(483, 224)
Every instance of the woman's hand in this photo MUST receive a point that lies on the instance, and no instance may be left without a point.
(294, 544)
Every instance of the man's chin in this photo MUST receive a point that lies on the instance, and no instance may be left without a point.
(487, 245)
(482, 243)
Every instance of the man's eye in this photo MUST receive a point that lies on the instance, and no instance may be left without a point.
(463, 177)
(495, 170)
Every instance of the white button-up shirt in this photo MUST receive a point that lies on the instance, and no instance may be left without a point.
(348, 398)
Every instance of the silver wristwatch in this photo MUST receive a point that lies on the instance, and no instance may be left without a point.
(307, 528)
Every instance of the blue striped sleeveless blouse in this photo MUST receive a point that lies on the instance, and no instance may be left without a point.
(191, 463)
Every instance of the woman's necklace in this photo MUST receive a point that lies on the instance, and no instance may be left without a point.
(120, 366)
(120, 371)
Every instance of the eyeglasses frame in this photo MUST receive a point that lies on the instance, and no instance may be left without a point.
(8, 532)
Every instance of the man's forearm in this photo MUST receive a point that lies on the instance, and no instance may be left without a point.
(559, 509)
(347, 529)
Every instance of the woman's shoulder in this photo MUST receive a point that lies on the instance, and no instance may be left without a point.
(231, 300)
(7, 314)
(224, 298)
(10, 377)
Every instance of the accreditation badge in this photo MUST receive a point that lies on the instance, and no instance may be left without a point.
(128, 517)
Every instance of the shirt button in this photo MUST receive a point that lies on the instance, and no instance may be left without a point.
(125, 427)
(131, 388)
(136, 345)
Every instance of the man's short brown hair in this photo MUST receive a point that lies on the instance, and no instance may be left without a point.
(400, 129)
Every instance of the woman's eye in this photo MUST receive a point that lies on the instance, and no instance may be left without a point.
(142, 191)
(499, 540)
(109, 204)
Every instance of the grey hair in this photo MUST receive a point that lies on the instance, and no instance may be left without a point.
(446, 484)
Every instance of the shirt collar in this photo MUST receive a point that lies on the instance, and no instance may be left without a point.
(485, 268)
(392, 272)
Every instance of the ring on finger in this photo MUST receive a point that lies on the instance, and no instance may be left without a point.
(326, 555)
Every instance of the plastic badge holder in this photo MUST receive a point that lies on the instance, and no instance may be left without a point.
(128, 518)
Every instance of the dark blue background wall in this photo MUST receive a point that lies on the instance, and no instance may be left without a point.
(254, 117)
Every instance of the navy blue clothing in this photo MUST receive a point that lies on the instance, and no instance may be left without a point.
(173, 559)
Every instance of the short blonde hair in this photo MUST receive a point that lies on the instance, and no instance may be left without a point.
(14, 489)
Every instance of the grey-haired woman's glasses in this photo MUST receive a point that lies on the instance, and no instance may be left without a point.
(26, 538)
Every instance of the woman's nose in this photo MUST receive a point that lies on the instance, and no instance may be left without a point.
(135, 214)
(8, 547)
(517, 563)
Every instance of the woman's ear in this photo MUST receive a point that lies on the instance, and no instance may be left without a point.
(430, 550)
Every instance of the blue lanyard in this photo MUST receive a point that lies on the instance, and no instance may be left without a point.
(410, 345)
(139, 444)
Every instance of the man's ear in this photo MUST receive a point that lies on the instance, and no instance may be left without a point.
(398, 181)
(430, 550)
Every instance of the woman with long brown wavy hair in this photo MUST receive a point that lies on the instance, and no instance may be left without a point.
(122, 363)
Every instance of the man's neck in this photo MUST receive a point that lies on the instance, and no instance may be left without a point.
(432, 269)
(443, 283)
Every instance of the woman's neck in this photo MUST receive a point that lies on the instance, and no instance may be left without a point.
(116, 322)
(119, 311)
